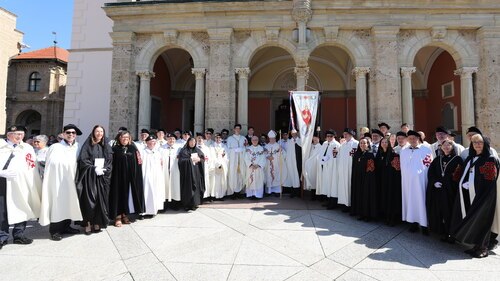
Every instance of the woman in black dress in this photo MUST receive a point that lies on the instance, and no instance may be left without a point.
(444, 175)
(192, 175)
(364, 182)
(93, 179)
(126, 181)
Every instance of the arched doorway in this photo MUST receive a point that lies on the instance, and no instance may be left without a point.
(436, 93)
(32, 120)
(172, 91)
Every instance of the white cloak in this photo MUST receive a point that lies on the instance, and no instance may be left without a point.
(311, 167)
(236, 171)
(208, 165)
(414, 167)
(292, 176)
(218, 176)
(59, 196)
(23, 199)
(153, 180)
(275, 169)
(344, 171)
(171, 172)
(255, 176)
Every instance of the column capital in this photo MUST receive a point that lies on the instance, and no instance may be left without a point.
(302, 72)
(466, 71)
(199, 73)
(242, 72)
(361, 71)
(145, 74)
(406, 72)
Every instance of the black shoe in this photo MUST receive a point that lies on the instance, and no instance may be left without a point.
(2, 244)
(425, 231)
(413, 228)
(23, 240)
(96, 230)
(56, 237)
(492, 245)
(480, 253)
(70, 230)
(87, 232)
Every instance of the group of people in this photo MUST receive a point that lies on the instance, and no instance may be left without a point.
(440, 187)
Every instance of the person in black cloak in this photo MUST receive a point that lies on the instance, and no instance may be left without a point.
(192, 175)
(126, 180)
(388, 172)
(476, 202)
(93, 180)
(364, 182)
(444, 176)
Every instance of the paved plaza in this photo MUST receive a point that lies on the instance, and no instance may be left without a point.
(271, 239)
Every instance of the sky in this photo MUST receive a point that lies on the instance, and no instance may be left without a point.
(37, 19)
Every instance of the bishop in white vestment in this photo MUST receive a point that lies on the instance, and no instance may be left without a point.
(255, 163)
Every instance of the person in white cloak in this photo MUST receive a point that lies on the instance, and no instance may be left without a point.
(344, 168)
(415, 162)
(153, 177)
(327, 169)
(402, 142)
(169, 152)
(60, 204)
(292, 180)
(236, 171)
(218, 175)
(19, 197)
(208, 166)
(255, 163)
(275, 168)
(141, 142)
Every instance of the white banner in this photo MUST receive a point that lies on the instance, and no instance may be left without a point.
(306, 108)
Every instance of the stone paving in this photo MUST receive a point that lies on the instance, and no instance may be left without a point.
(271, 239)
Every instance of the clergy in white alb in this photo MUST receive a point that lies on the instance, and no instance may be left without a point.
(344, 168)
(169, 152)
(207, 164)
(275, 166)
(292, 177)
(153, 177)
(255, 163)
(218, 176)
(236, 154)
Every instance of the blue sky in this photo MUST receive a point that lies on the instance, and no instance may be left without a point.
(37, 19)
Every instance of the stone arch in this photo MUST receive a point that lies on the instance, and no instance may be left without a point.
(348, 43)
(258, 41)
(158, 44)
(31, 119)
(461, 51)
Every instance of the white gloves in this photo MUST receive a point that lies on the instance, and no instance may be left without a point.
(99, 171)
(466, 185)
(438, 185)
(8, 174)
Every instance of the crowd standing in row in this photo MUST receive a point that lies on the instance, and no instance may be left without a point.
(443, 188)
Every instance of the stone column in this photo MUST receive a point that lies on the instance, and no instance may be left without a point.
(243, 97)
(385, 84)
(199, 99)
(302, 74)
(361, 107)
(144, 99)
(406, 95)
(466, 99)
(301, 14)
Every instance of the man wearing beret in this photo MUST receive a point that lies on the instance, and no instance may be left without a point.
(60, 202)
(384, 128)
(19, 185)
(376, 137)
(443, 134)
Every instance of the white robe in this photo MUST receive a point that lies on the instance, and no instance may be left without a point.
(292, 176)
(255, 176)
(59, 196)
(414, 167)
(208, 165)
(344, 171)
(275, 168)
(218, 176)
(311, 167)
(23, 197)
(236, 171)
(153, 180)
(171, 172)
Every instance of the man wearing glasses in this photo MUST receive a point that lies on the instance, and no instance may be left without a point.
(60, 202)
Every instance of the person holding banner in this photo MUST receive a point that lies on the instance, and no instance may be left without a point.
(344, 168)
(236, 170)
(327, 166)
(255, 160)
(275, 170)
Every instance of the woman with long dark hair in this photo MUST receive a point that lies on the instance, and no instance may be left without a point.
(192, 175)
(363, 181)
(127, 192)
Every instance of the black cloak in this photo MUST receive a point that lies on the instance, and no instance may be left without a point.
(388, 171)
(126, 176)
(440, 201)
(192, 177)
(364, 182)
(93, 190)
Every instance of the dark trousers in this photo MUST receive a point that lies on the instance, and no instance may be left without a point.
(59, 227)
(19, 228)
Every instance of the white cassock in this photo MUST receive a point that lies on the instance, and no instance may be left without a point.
(171, 172)
(59, 196)
(218, 176)
(398, 148)
(153, 180)
(255, 155)
(208, 165)
(236, 171)
(140, 145)
(22, 198)
(292, 176)
(311, 167)
(415, 164)
(160, 143)
(275, 168)
(344, 171)
(326, 168)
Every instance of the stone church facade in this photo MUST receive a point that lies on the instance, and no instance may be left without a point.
(216, 63)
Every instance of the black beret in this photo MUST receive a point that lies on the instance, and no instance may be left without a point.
(169, 135)
(367, 135)
(442, 129)
(474, 130)
(400, 133)
(122, 129)
(350, 131)
(187, 133)
(384, 124)
(16, 128)
(453, 134)
(151, 137)
(413, 133)
(225, 131)
(209, 130)
(72, 126)
(199, 134)
(161, 130)
(331, 132)
(144, 131)
(378, 132)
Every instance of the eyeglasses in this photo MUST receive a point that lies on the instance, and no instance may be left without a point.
(477, 142)
(70, 132)
(36, 141)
